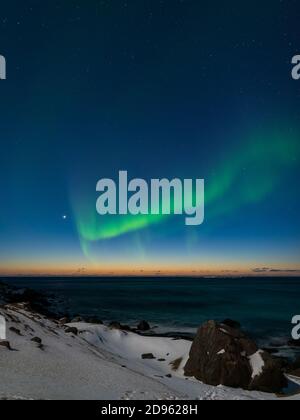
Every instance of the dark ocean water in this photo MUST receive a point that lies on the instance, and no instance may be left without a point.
(264, 307)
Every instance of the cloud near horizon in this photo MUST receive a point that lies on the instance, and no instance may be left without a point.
(274, 270)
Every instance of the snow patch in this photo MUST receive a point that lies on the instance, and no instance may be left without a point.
(257, 363)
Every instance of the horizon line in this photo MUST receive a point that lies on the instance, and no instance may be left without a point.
(158, 276)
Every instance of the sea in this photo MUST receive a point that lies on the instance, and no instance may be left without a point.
(263, 306)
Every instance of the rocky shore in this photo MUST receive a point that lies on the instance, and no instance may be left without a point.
(45, 304)
(218, 360)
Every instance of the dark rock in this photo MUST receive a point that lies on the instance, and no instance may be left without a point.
(148, 356)
(248, 346)
(5, 343)
(118, 326)
(26, 306)
(161, 360)
(36, 340)
(294, 343)
(94, 320)
(295, 365)
(221, 355)
(284, 363)
(15, 330)
(64, 320)
(218, 356)
(77, 319)
(143, 326)
(168, 375)
(115, 326)
(272, 378)
(231, 323)
(71, 330)
(125, 328)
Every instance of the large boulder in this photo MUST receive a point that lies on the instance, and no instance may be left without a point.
(218, 357)
(222, 355)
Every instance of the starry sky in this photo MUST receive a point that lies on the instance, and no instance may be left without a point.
(162, 89)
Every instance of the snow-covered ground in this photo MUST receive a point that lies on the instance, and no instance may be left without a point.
(97, 364)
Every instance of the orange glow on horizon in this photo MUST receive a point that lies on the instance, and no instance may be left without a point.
(146, 269)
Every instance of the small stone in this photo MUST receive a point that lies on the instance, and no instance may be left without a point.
(64, 320)
(118, 326)
(5, 343)
(143, 326)
(36, 340)
(95, 321)
(15, 330)
(77, 319)
(148, 356)
(115, 326)
(71, 330)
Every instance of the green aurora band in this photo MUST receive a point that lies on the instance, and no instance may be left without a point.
(248, 176)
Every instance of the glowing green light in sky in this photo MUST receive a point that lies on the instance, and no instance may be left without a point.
(247, 175)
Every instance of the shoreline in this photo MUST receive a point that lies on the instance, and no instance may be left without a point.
(54, 306)
(154, 363)
(80, 361)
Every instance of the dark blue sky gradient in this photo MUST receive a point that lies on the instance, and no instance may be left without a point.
(161, 88)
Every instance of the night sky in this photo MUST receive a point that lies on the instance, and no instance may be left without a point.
(160, 88)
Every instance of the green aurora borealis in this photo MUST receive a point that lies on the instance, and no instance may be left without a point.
(248, 176)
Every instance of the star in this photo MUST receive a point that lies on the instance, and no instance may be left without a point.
(64, 217)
